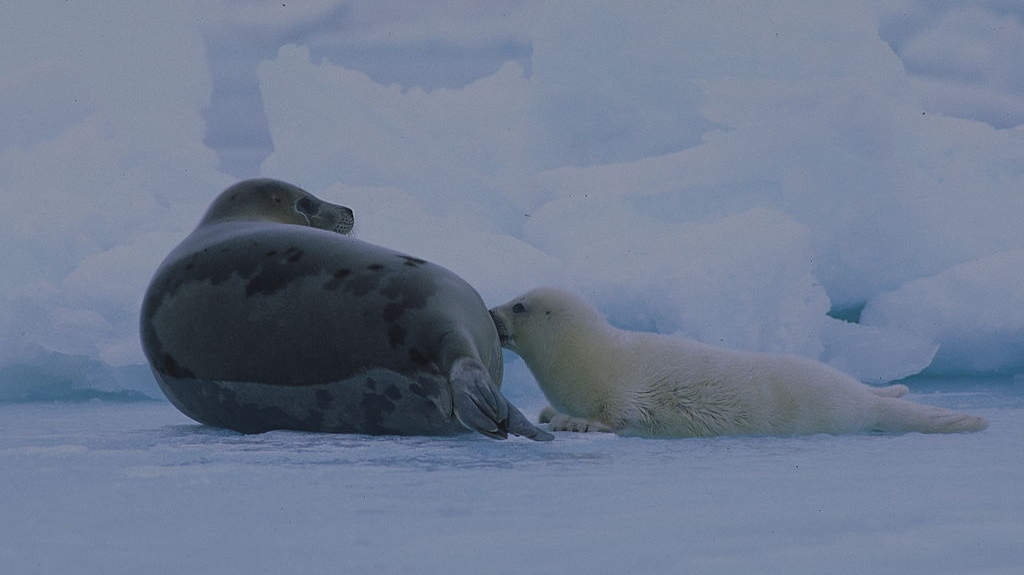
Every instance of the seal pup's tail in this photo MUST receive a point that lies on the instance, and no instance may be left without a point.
(480, 406)
(901, 416)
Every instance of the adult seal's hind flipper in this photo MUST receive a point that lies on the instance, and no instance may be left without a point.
(481, 407)
(268, 317)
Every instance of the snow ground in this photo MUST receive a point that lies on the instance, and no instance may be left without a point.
(105, 487)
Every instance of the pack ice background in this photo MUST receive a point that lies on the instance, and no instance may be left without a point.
(728, 172)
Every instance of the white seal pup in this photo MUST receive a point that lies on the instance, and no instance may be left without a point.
(600, 378)
(268, 317)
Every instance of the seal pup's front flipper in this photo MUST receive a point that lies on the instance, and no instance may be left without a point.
(479, 405)
(563, 422)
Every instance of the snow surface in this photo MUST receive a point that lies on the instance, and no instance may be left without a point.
(110, 488)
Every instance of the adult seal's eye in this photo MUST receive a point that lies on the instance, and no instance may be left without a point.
(308, 206)
(519, 308)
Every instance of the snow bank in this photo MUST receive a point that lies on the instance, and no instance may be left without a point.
(692, 174)
(974, 310)
(720, 171)
(103, 169)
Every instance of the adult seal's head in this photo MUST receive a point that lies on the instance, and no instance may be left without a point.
(265, 318)
(276, 201)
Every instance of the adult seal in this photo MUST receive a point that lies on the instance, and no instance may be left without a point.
(267, 316)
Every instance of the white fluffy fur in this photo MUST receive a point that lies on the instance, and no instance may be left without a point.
(601, 378)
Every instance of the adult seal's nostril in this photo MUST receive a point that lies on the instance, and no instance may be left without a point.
(258, 321)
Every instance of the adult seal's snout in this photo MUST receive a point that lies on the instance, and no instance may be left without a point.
(268, 317)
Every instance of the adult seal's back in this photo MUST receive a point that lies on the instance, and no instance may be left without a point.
(268, 317)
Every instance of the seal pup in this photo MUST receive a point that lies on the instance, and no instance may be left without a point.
(600, 378)
(268, 317)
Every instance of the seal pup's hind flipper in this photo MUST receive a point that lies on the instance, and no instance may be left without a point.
(898, 390)
(900, 416)
(479, 405)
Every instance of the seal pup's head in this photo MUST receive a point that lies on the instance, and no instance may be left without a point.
(276, 201)
(543, 318)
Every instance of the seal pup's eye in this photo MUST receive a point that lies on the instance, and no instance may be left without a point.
(519, 308)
